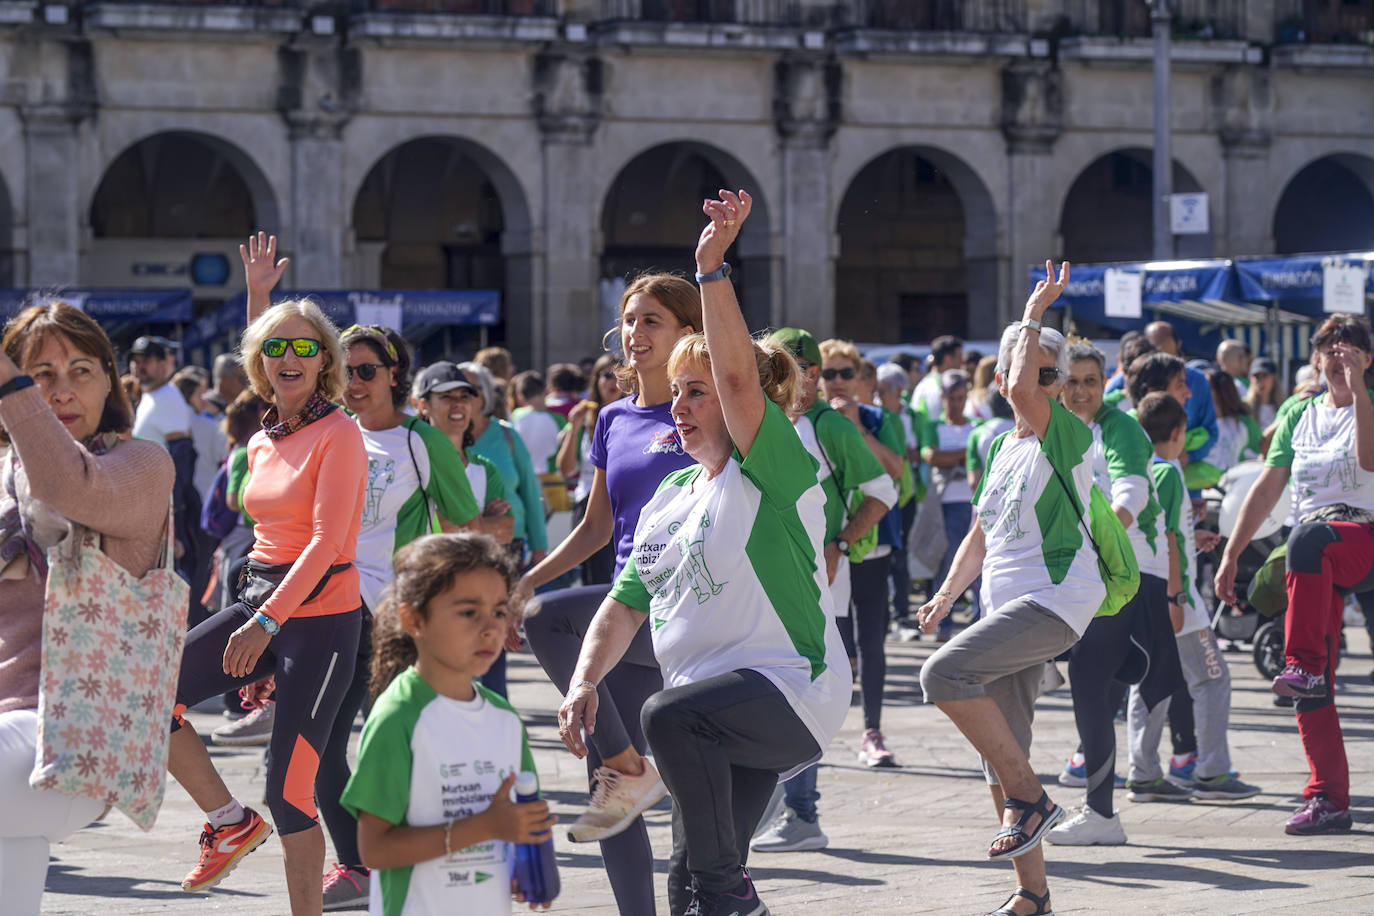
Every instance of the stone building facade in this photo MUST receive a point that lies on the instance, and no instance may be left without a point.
(909, 158)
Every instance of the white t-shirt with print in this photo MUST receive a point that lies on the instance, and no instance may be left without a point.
(1036, 546)
(391, 480)
(1318, 443)
(730, 572)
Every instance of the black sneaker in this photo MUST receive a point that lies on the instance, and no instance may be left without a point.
(742, 901)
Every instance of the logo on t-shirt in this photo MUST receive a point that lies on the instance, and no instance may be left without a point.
(665, 443)
(689, 572)
(379, 476)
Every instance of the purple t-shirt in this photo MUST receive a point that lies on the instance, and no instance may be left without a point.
(637, 447)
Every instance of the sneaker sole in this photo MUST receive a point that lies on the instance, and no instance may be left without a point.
(1285, 689)
(1073, 782)
(1337, 827)
(653, 797)
(354, 904)
(249, 845)
(1223, 796)
(806, 845)
(1150, 797)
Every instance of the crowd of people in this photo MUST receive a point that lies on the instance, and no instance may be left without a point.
(753, 515)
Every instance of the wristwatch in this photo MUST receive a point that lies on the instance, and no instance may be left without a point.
(1030, 323)
(1179, 598)
(269, 625)
(720, 273)
(843, 545)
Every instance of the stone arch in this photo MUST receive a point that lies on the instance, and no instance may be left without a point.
(651, 215)
(444, 212)
(1107, 212)
(918, 243)
(1327, 205)
(142, 191)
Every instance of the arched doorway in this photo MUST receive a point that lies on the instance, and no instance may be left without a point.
(437, 213)
(1328, 206)
(917, 257)
(170, 212)
(1108, 214)
(652, 216)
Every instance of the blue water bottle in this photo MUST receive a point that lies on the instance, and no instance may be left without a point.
(536, 872)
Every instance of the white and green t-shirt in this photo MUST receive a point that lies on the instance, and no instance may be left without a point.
(485, 480)
(539, 429)
(1318, 443)
(1122, 454)
(1034, 527)
(845, 465)
(944, 436)
(980, 442)
(426, 758)
(1173, 497)
(729, 571)
(1237, 440)
(412, 469)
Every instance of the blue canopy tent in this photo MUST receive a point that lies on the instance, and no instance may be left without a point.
(151, 306)
(422, 311)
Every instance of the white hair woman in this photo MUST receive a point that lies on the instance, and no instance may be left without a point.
(1041, 588)
(299, 609)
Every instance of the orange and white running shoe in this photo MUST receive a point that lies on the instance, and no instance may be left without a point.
(221, 849)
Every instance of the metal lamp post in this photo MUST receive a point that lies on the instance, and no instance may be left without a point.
(1163, 155)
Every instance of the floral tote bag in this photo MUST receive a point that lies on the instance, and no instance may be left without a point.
(111, 656)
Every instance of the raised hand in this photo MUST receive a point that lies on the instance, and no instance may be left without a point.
(261, 271)
(1048, 290)
(727, 217)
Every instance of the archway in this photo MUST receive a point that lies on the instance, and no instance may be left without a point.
(1327, 206)
(651, 217)
(918, 240)
(441, 213)
(1108, 214)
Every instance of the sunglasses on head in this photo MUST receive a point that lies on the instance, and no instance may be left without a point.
(302, 346)
(1049, 375)
(375, 333)
(830, 375)
(365, 371)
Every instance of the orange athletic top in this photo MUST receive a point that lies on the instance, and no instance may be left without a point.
(306, 496)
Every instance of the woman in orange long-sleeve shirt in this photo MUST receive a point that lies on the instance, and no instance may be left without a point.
(308, 468)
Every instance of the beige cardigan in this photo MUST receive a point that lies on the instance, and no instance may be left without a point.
(123, 494)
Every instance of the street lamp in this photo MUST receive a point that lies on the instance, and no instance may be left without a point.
(1163, 156)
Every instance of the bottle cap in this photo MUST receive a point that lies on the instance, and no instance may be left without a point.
(527, 784)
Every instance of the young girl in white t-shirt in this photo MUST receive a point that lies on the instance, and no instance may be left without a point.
(440, 753)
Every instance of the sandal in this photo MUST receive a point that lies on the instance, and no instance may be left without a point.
(1042, 904)
(1026, 841)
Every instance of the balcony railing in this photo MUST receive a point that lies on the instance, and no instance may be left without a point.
(1192, 19)
(471, 7)
(742, 12)
(902, 15)
(1334, 21)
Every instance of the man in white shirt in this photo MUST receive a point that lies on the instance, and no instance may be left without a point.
(163, 414)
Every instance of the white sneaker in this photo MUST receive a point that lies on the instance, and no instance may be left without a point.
(617, 799)
(772, 812)
(254, 728)
(1088, 828)
(789, 833)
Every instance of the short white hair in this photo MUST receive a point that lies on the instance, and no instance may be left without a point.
(891, 375)
(1051, 341)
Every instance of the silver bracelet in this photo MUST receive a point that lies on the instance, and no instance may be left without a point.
(448, 850)
(582, 684)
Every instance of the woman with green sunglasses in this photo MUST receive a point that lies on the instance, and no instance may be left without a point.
(298, 616)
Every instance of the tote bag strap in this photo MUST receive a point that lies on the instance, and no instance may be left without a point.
(168, 558)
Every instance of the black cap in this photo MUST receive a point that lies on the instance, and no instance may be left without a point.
(442, 376)
(1262, 365)
(156, 347)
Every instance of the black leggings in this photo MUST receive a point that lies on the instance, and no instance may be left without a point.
(555, 636)
(312, 659)
(334, 770)
(868, 582)
(1181, 729)
(1093, 663)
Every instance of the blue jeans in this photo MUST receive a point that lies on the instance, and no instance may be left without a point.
(801, 794)
(958, 517)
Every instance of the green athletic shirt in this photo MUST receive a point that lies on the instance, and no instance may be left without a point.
(824, 429)
(1168, 476)
(424, 759)
(238, 479)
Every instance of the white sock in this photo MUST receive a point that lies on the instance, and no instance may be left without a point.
(1178, 760)
(231, 813)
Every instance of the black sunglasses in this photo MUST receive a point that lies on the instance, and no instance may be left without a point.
(1049, 375)
(303, 347)
(831, 374)
(365, 371)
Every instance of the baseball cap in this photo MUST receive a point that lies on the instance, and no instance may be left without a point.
(799, 343)
(442, 376)
(953, 379)
(152, 345)
(1263, 365)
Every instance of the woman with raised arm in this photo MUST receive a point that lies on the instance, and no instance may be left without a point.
(1325, 443)
(1041, 589)
(634, 445)
(299, 611)
(728, 567)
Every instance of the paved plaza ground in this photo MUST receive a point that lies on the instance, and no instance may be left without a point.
(908, 840)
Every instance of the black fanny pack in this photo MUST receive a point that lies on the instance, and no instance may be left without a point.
(258, 581)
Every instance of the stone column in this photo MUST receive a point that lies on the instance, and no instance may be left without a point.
(1032, 119)
(319, 216)
(1244, 110)
(806, 106)
(566, 323)
(51, 137)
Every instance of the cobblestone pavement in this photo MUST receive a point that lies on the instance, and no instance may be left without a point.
(905, 840)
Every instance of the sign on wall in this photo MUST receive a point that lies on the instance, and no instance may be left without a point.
(1188, 214)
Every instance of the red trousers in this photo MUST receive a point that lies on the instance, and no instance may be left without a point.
(1323, 557)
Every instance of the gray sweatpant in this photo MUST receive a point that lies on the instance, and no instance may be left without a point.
(1209, 684)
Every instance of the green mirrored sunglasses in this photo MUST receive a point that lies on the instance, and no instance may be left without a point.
(302, 346)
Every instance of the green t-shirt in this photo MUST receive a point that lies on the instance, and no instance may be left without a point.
(845, 463)
(1122, 454)
(426, 758)
(238, 479)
